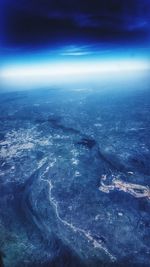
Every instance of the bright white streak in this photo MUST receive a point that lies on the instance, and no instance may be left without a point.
(72, 68)
(45, 73)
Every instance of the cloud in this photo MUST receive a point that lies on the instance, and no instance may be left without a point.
(76, 50)
(37, 22)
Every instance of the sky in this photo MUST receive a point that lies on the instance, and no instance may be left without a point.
(34, 24)
(37, 31)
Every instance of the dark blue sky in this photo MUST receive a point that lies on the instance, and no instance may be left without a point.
(33, 24)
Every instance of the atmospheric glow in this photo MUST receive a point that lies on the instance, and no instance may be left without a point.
(44, 73)
(73, 68)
